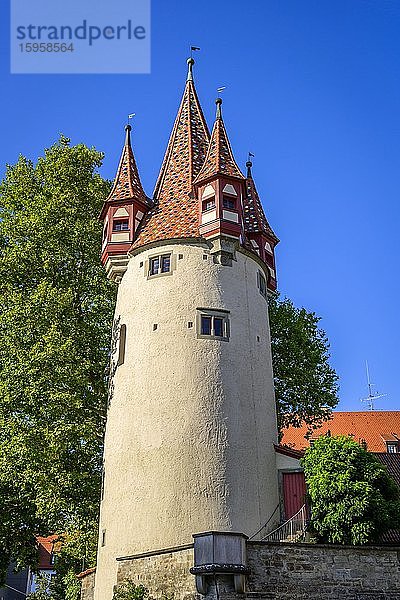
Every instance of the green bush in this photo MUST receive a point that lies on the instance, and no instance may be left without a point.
(353, 499)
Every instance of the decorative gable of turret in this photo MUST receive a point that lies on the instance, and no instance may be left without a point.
(220, 188)
(174, 214)
(122, 213)
(261, 238)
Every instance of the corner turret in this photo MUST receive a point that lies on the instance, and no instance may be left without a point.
(122, 213)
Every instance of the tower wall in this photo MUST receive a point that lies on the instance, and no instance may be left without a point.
(191, 423)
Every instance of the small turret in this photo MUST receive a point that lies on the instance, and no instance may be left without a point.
(261, 239)
(219, 187)
(122, 213)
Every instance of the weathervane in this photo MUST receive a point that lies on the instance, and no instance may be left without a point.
(249, 164)
(193, 49)
(131, 117)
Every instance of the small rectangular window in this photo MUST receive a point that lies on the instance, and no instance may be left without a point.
(209, 204)
(392, 448)
(213, 324)
(218, 327)
(205, 325)
(160, 264)
(229, 203)
(165, 264)
(103, 537)
(154, 265)
(121, 225)
(262, 284)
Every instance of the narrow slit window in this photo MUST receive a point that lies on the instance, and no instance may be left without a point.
(262, 284)
(103, 475)
(122, 344)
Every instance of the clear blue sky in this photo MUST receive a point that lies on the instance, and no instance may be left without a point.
(313, 90)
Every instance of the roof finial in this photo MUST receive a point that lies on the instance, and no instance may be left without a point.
(190, 62)
(218, 102)
(128, 130)
(249, 164)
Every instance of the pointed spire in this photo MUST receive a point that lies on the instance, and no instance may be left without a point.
(127, 182)
(175, 213)
(187, 145)
(219, 159)
(254, 217)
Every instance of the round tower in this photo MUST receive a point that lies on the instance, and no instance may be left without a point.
(191, 424)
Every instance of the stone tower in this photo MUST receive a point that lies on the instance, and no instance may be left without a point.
(191, 421)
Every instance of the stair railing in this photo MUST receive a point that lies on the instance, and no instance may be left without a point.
(290, 531)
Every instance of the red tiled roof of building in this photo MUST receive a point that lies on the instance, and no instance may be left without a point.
(127, 182)
(286, 451)
(392, 463)
(373, 427)
(254, 217)
(219, 159)
(175, 211)
(46, 545)
(84, 574)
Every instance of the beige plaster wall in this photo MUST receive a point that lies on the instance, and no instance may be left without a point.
(191, 425)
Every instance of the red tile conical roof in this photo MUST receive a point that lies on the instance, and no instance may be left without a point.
(254, 217)
(127, 182)
(219, 159)
(175, 211)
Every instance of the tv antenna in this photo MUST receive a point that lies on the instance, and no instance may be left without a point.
(370, 399)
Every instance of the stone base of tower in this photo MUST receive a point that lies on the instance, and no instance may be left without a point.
(273, 571)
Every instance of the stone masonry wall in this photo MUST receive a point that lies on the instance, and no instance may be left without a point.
(306, 571)
(87, 584)
(278, 572)
(163, 574)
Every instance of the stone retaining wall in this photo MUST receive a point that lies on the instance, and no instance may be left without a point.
(304, 571)
(277, 572)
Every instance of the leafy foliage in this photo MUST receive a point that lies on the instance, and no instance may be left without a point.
(305, 384)
(55, 325)
(353, 499)
(128, 590)
(54, 337)
(43, 588)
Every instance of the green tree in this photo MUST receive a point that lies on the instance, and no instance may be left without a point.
(128, 590)
(353, 499)
(55, 325)
(55, 328)
(43, 588)
(305, 383)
